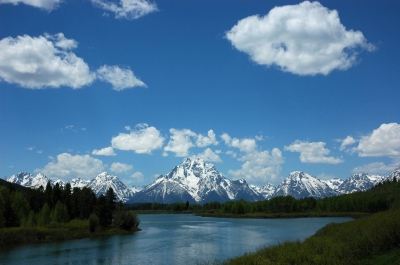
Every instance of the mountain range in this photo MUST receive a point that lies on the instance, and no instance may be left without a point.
(198, 182)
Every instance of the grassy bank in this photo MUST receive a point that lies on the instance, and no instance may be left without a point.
(368, 240)
(75, 229)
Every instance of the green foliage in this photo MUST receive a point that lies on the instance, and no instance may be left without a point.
(126, 220)
(93, 222)
(44, 215)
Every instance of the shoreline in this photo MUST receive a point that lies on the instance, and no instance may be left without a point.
(278, 215)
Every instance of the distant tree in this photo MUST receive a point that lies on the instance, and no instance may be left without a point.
(93, 222)
(126, 220)
(60, 213)
(103, 212)
(187, 205)
(48, 195)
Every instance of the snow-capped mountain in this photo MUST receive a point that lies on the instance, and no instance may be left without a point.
(300, 185)
(359, 182)
(34, 182)
(101, 183)
(195, 181)
(267, 191)
(198, 182)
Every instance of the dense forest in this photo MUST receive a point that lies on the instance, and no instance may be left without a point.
(59, 208)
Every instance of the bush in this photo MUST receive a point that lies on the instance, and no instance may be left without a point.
(126, 220)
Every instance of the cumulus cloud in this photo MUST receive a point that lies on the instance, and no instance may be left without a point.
(384, 141)
(303, 39)
(209, 156)
(127, 9)
(43, 4)
(119, 78)
(314, 152)
(142, 140)
(377, 167)
(107, 151)
(69, 166)
(180, 142)
(137, 176)
(245, 145)
(345, 142)
(203, 141)
(44, 61)
(260, 166)
(120, 167)
(47, 61)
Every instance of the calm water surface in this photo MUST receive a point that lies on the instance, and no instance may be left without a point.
(171, 239)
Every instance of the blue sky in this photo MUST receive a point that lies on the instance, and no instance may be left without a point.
(258, 88)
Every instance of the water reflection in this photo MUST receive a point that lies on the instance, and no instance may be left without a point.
(170, 239)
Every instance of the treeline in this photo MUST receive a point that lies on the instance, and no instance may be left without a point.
(47, 207)
(377, 199)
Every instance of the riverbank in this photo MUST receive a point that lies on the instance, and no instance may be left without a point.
(75, 229)
(369, 240)
(260, 215)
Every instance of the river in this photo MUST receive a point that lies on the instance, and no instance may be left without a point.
(170, 239)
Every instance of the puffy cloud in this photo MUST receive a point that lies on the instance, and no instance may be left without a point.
(143, 140)
(209, 155)
(260, 166)
(377, 167)
(203, 141)
(180, 142)
(314, 152)
(245, 145)
(345, 142)
(70, 166)
(43, 4)
(120, 167)
(137, 176)
(384, 141)
(119, 78)
(128, 9)
(44, 61)
(47, 61)
(303, 39)
(107, 151)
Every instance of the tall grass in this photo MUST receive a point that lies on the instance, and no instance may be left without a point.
(355, 242)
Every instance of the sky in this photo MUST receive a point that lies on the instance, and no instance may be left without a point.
(258, 88)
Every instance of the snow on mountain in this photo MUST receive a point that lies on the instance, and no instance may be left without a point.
(28, 180)
(101, 183)
(266, 191)
(394, 174)
(135, 189)
(300, 185)
(333, 183)
(195, 181)
(79, 183)
(359, 182)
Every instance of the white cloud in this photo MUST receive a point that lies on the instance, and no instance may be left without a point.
(314, 152)
(384, 141)
(44, 61)
(260, 167)
(138, 176)
(70, 166)
(180, 142)
(345, 142)
(209, 156)
(120, 167)
(303, 39)
(143, 140)
(119, 78)
(43, 4)
(128, 9)
(245, 145)
(377, 167)
(30, 148)
(107, 151)
(203, 141)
